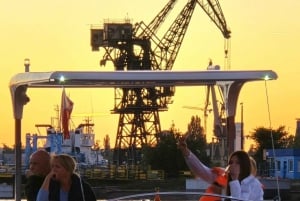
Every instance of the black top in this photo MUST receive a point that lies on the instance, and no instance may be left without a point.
(32, 186)
(75, 192)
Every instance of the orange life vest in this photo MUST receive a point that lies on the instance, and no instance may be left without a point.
(157, 197)
(217, 186)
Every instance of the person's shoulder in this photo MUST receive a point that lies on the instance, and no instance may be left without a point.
(77, 179)
(35, 178)
(86, 184)
(253, 181)
(257, 181)
(249, 179)
(34, 181)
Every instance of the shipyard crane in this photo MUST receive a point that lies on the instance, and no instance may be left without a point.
(219, 139)
(138, 47)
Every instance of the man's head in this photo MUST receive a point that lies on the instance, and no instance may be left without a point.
(40, 163)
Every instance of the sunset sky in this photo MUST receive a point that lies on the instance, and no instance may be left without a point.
(55, 35)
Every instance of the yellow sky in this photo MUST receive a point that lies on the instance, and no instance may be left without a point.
(55, 36)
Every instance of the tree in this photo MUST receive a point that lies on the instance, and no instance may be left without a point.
(196, 139)
(263, 140)
(166, 155)
(297, 138)
(106, 142)
(8, 149)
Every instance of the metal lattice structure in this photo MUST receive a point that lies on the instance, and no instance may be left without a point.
(138, 47)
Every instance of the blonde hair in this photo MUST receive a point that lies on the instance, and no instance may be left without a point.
(66, 162)
(253, 166)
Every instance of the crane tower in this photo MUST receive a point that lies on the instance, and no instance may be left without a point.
(138, 47)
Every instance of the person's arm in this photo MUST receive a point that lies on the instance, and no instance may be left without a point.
(195, 165)
(32, 187)
(42, 195)
(45, 185)
(236, 190)
(199, 169)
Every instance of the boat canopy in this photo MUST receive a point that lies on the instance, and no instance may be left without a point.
(231, 80)
(125, 79)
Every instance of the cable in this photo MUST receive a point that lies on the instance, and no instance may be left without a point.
(272, 140)
(227, 52)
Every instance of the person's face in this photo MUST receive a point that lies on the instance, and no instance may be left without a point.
(38, 166)
(58, 170)
(234, 167)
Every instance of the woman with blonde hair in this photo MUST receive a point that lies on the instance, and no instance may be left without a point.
(253, 166)
(63, 184)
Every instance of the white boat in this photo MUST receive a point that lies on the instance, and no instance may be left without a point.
(80, 144)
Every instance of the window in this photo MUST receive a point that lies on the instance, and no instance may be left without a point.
(278, 165)
(291, 165)
(298, 166)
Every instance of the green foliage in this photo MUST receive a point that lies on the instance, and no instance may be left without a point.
(297, 140)
(264, 137)
(166, 155)
(196, 140)
(8, 149)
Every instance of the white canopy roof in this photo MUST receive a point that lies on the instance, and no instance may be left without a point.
(82, 79)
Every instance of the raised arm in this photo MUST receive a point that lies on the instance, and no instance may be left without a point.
(195, 165)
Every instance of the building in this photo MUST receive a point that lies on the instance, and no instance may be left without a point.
(284, 163)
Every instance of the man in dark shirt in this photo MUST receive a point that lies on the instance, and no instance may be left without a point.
(39, 167)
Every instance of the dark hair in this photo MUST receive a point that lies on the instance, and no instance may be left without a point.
(245, 166)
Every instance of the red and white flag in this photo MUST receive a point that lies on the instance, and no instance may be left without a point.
(65, 113)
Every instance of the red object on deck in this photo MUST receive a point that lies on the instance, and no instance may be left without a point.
(157, 198)
(217, 186)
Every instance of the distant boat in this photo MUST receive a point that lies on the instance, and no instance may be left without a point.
(81, 145)
(78, 142)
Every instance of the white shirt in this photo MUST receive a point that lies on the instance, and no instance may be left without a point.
(250, 188)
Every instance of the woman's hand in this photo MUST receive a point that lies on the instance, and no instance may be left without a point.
(47, 179)
(234, 171)
(181, 144)
(51, 175)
